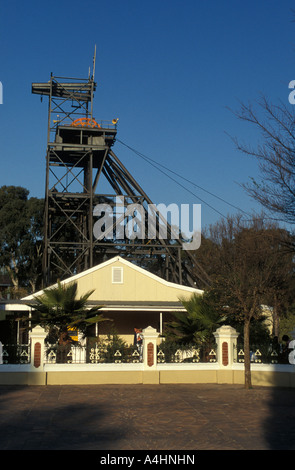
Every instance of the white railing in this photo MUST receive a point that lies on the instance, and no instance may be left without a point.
(97, 354)
(191, 355)
(37, 357)
(15, 353)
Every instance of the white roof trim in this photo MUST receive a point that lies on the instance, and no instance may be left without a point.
(15, 307)
(127, 263)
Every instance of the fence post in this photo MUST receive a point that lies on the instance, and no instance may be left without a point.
(37, 337)
(226, 339)
(150, 336)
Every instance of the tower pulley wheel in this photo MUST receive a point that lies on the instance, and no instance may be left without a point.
(85, 122)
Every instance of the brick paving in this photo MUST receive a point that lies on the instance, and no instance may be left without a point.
(146, 417)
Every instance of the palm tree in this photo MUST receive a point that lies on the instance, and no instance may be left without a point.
(59, 309)
(196, 325)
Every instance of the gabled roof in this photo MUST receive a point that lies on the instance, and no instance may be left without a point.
(138, 285)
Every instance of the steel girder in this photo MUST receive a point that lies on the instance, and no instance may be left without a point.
(76, 161)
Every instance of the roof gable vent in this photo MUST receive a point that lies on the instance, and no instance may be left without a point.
(117, 275)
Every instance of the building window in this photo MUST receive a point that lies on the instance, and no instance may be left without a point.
(117, 275)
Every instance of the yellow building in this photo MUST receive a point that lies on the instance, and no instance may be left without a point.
(129, 295)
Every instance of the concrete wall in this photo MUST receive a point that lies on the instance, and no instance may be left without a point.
(93, 374)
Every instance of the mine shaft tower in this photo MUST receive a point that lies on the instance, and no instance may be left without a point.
(79, 154)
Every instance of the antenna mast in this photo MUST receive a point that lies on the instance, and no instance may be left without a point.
(94, 60)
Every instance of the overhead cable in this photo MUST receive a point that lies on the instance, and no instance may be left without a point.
(156, 165)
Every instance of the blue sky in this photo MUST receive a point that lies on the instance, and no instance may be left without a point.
(167, 69)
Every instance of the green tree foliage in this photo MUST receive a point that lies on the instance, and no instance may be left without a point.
(196, 325)
(21, 227)
(58, 309)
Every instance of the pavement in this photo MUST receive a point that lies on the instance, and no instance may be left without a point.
(146, 417)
